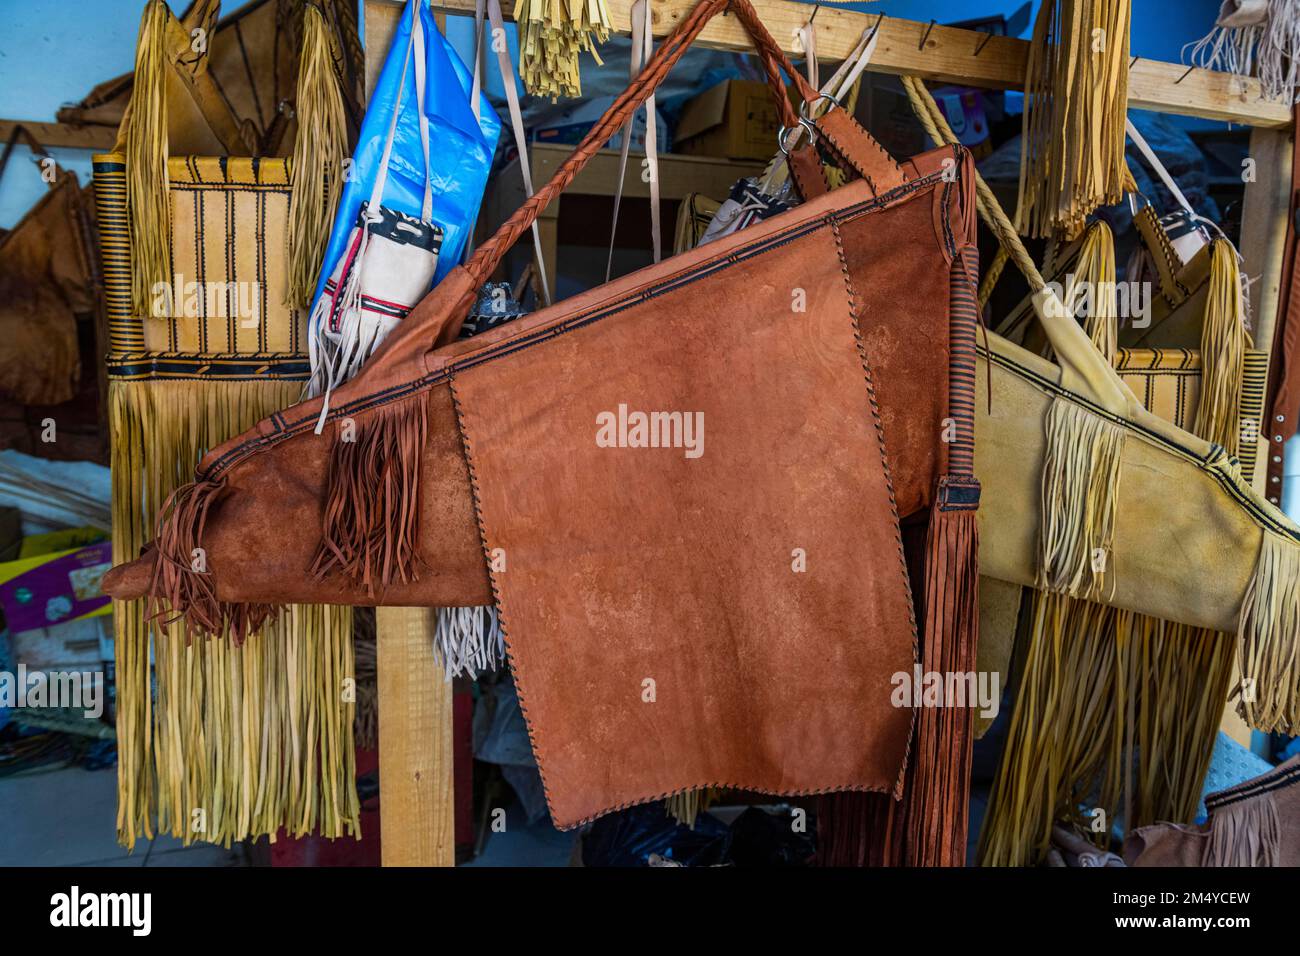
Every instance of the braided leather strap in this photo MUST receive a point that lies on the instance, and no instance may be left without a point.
(851, 141)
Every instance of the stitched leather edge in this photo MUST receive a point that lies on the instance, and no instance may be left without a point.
(889, 480)
(515, 667)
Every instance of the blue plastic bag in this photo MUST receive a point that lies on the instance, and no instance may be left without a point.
(460, 147)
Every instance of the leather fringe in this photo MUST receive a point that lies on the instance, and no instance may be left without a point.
(1115, 711)
(469, 641)
(1076, 91)
(939, 790)
(1094, 270)
(372, 504)
(318, 155)
(1080, 498)
(860, 829)
(182, 584)
(1224, 341)
(1245, 833)
(1268, 640)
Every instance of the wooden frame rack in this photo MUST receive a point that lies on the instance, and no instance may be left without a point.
(415, 721)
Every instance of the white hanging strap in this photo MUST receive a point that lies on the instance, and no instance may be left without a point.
(508, 80)
(1149, 154)
(642, 47)
(476, 92)
(806, 37)
(382, 176)
(476, 89)
(421, 65)
(843, 79)
(838, 86)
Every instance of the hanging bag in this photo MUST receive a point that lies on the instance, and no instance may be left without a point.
(212, 347)
(389, 261)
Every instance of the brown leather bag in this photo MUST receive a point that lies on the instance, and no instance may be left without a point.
(739, 617)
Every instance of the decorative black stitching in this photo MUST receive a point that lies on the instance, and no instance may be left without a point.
(889, 480)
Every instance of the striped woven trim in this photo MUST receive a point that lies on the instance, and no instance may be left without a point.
(1158, 360)
(268, 366)
(369, 303)
(228, 171)
(963, 321)
(124, 333)
(1277, 779)
(1254, 381)
(1160, 376)
(219, 259)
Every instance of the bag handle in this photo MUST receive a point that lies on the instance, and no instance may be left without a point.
(849, 140)
(414, 45)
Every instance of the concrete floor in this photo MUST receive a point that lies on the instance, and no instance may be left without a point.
(68, 817)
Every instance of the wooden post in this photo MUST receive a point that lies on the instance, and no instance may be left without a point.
(416, 793)
(1263, 240)
(1263, 237)
(416, 805)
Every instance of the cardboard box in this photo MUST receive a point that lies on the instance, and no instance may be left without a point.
(734, 120)
(47, 589)
(569, 126)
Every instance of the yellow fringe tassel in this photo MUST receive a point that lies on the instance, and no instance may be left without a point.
(1224, 341)
(146, 152)
(1094, 276)
(241, 741)
(1080, 497)
(1076, 100)
(318, 156)
(1116, 713)
(1268, 647)
(552, 33)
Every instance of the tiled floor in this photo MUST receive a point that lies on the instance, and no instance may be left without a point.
(69, 817)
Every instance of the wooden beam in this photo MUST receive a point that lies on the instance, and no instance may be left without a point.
(99, 138)
(947, 55)
(416, 788)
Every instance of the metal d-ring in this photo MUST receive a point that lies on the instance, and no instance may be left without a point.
(804, 107)
(804, 124)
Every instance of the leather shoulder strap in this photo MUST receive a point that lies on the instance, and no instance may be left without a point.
(851, 141)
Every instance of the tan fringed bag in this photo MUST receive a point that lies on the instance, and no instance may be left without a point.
(242, 739)
(1193, 544)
